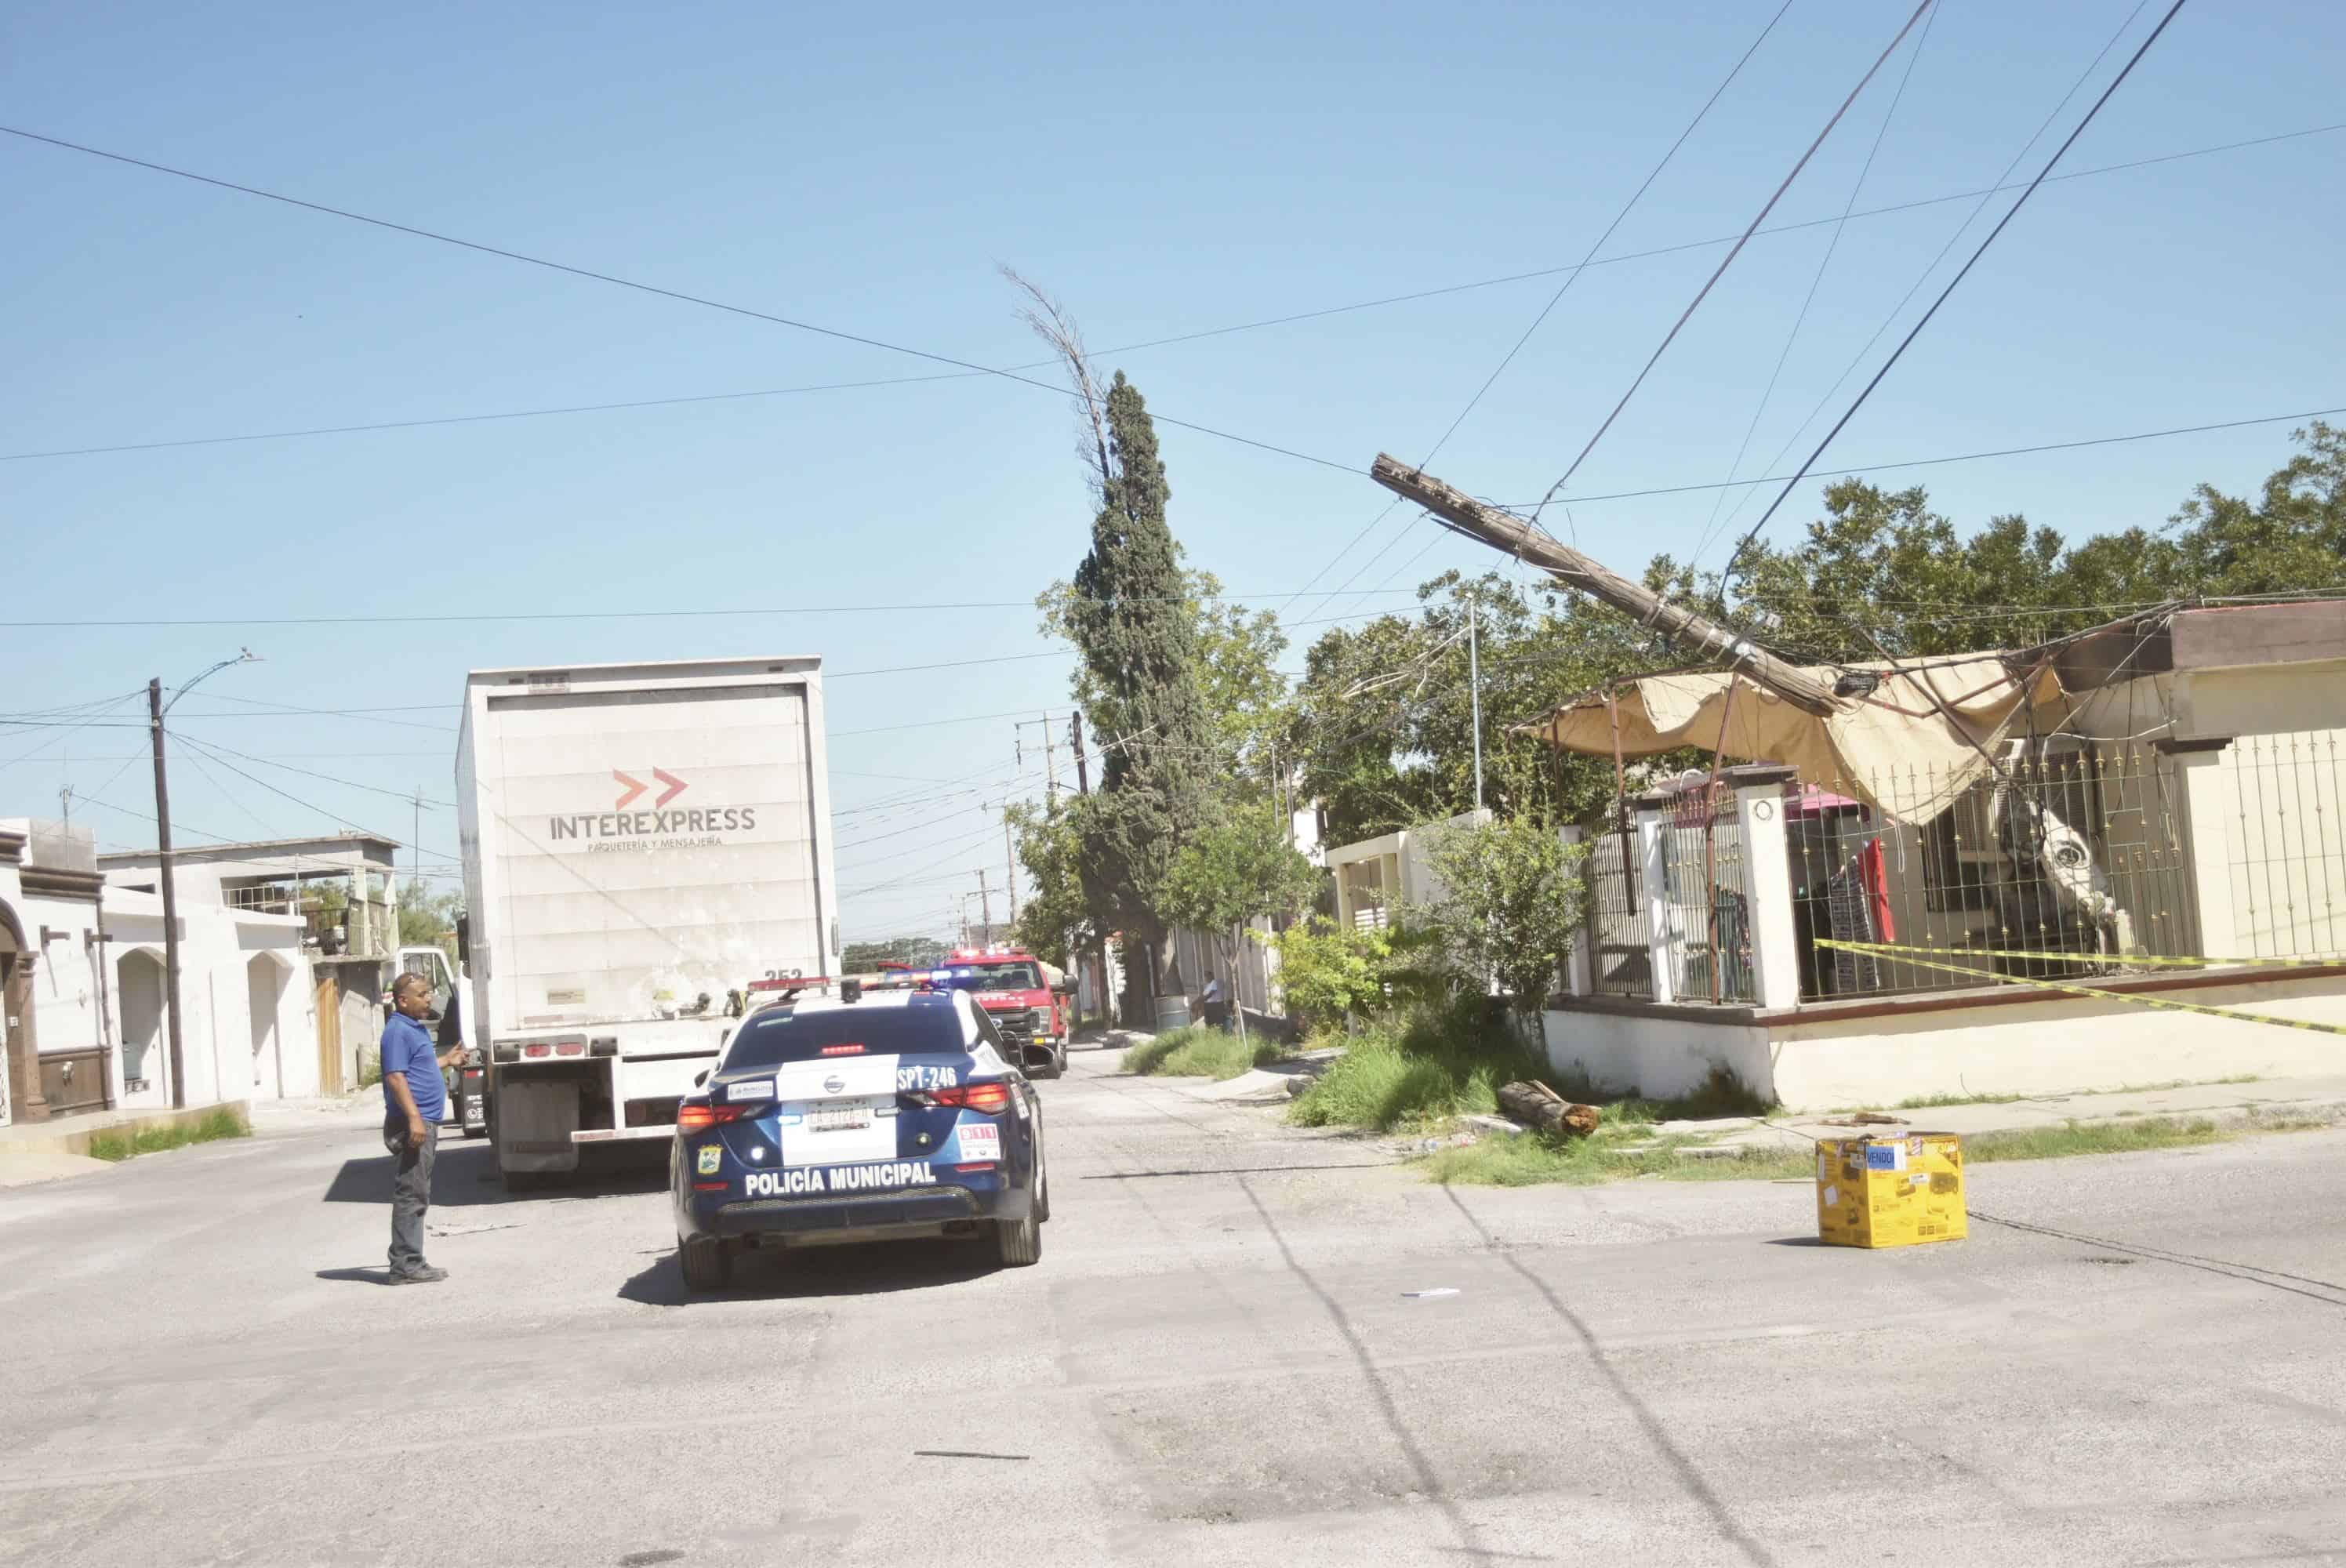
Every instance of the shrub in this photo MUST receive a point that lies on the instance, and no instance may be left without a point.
(1426, 1063)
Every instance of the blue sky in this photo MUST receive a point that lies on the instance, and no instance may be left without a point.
(1165, 170)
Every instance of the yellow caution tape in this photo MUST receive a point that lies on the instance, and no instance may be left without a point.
(2159, 1002)
(2129, 959)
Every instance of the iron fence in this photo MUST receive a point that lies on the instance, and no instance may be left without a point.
(1620, 956)
(1708, 899)
(2066, 857)
(2285, 847)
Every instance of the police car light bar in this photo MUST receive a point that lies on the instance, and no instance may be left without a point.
(794, 983)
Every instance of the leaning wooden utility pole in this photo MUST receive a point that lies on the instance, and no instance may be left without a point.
(1514, 537)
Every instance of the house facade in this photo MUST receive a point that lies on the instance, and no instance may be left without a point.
(87, 1019)
(2154, 814)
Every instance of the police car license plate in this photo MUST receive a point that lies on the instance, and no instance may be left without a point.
(846, 1119)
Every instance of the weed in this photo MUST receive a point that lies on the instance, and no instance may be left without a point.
(223, 1122)
(2089, 1138)
(1419, 1068)
(1531, 1161)
(1195, 1050)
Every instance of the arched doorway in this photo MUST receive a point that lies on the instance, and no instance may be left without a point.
(144, 1063)
(20, 1067)
(264, 988)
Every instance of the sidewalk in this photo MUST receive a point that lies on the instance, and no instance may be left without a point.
(2266, 1102)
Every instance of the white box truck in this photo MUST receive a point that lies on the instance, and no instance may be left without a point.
(643, 844)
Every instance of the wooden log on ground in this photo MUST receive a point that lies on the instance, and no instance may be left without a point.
(1538, 1106)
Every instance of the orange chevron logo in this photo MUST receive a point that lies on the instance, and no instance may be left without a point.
(635, 787)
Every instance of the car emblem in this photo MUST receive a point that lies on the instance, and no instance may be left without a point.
(834, 1085)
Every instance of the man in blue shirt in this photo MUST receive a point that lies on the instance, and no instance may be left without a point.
(415, 1098)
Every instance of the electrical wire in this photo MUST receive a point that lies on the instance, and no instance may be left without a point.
(1257, 325)
(1824, 265)
(2018, 202)
(613, 278)
(408, 798)
(1554, 300)
(1728, 260)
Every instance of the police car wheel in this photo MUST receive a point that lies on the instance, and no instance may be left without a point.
(1018, 1243)
(707, 1263)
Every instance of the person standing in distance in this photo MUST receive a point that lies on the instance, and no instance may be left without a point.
(415, 1098)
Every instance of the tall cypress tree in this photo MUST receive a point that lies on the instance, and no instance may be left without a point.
(1137, 635)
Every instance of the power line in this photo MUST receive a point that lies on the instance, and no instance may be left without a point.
(1824, 265)
(1960, 457)
(196, 744)
(519, 617)
(1728, 260)
(2018, 202)
(1256, 325)
(653, 288)
(1891, 318)
(407, 797)
(1554, 300)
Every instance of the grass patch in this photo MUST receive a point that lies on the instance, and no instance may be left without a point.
(1419, 1068)
(223, 1122)
(1427, 1065)
(2089, 1138)
(1195, 1050)
(1532, 1161)
(1621, 1150)
(1936, 1102)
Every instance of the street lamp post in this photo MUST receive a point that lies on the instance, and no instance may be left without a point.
(156, 709)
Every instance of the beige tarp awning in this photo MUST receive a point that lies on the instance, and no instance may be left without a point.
(1893, 745)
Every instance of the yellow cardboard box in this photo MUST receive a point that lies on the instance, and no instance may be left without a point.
(1891, 1190)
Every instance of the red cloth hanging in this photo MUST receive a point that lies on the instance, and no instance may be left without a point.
(1876, 877)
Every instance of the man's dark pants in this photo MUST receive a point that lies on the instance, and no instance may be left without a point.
(411, 1192)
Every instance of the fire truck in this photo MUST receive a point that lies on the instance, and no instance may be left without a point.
(1026, 1002)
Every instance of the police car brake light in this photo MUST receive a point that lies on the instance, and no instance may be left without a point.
(693, 1116)
(986, 1099)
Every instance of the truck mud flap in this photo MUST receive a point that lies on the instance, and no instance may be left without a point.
(535, 1121)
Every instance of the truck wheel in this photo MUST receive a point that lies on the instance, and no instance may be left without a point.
(707, 1266)
(1042, 1187)
(1018, 1243)
(1059, 1060)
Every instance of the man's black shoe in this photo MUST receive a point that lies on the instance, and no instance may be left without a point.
(421, 1277)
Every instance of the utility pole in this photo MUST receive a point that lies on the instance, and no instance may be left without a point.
(1050, 767)
(156, 709)
(1009, 864)
(170, 896)
(1076, 739)
(1474, 690)
(415, 846)
(985, 904)
(1514, 537)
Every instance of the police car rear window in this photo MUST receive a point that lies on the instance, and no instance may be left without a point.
(786, 1036)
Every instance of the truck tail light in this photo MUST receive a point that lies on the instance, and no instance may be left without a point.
(536, 1051)
(698, 1116)
(570, 1048)
(986, 1099)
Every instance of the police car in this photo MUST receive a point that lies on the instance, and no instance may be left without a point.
(863, 1118)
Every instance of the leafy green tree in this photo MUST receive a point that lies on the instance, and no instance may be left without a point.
(426, 918)
(1237, 867)
(1053, 923)
(1129, 618)
(1511, 904)
(1330, 972)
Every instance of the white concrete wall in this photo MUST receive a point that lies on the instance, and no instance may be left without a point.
(1654, 1054)
(2057, 1046)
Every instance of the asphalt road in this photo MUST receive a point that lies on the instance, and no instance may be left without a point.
(2134, 1359)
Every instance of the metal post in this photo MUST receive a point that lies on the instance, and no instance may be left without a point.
(170, 896)
(1010, 865)
(1050, 762)
(985, 904)
(1076, 739)
(1474, 689)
